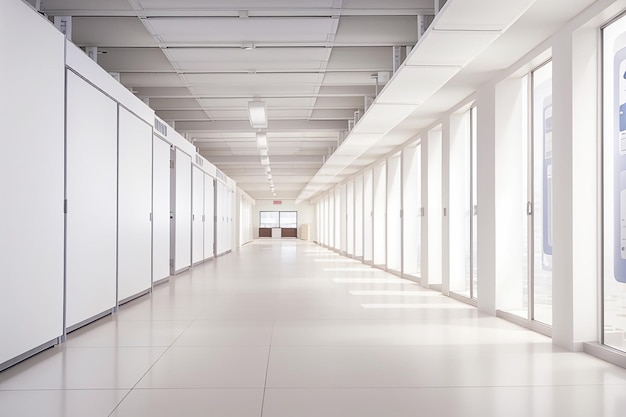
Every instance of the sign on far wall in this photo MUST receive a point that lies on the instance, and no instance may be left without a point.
(278, 202)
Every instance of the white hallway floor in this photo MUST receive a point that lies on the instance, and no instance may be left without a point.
(286, 328)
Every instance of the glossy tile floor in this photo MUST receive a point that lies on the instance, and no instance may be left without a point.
(284, 328)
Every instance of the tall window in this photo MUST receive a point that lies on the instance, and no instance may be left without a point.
(614, 182)
(540, 203)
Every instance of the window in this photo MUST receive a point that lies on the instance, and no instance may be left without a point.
(284, 219)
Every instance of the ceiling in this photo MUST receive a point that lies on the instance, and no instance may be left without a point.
(314, 63)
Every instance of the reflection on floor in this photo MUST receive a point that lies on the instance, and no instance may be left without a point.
(286, 328)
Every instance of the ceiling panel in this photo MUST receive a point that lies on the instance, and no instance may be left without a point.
(110, 32)
(382, 118)
(388, 4)
(349, 78)
(481, 14)
(258, 59)
(286, 114)
(340, 102)
(262, 91)
(86, 5)
(228, 114)
(333, 114)
(374, 58)
(252, 79)
(242, 103)
(236, 4)
(215, 31)
(163, 92)
(451, 47)
(182, 114)
(413, 85)
(174, 104)
(151, 80)
(134, 60)
(377, 30)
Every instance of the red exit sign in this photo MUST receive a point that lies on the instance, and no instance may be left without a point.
(278, 202)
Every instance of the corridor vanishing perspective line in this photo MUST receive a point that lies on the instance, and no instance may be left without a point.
(283, 327)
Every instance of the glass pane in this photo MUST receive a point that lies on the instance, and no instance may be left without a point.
(394, 222)
(474, 198)
(614, 176)
(269, 219)
(289, 219)
(459, 212)
(542, 194)
(380, 206)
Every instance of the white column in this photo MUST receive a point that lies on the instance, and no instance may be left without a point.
(486, 176)
(575, 188)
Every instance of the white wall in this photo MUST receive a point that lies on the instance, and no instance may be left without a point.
(31, 180)
(134, 246)
(306, 214)
(91, 201)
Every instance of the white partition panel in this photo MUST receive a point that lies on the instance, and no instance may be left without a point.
(411, 216)
(197, 215)
(337, 217)
(368, 215)
(435, 207)
(220, 206)
(161, 173)
(182, 212)
(91, 201)
(31, 247)
(343, 213)
(350, 218)
(358, 216)
(379, 215)
(394, 221)
(134, 230)
(209, 217)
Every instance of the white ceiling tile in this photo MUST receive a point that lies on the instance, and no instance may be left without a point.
(251, 79)
(480, 14)
(377, 30)
(259, 30)
(375, 58)
(382, 118)
(182, 114)
(110, 32)
(134, 60)
(450, 47)
(349, 78)
(49, 5)
(413, 85)
(261, 91)
(174, 103)
(235, 4)
(151, 80)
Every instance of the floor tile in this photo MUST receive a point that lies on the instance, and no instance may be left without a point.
(227, 333)
(59, 403)
(435, 366)
(191, 403)
(576, 401)
(109, 331)
(209, 367)
(81, 368)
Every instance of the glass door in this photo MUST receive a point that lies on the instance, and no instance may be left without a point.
(540, 196)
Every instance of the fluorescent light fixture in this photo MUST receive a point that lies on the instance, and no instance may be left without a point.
(261, 140)
(265, 160)
(257, 113)
(268, 170)
(263, 152)
(274, 194)
(269, 177)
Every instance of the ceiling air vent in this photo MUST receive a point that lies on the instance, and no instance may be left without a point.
(160, 127)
